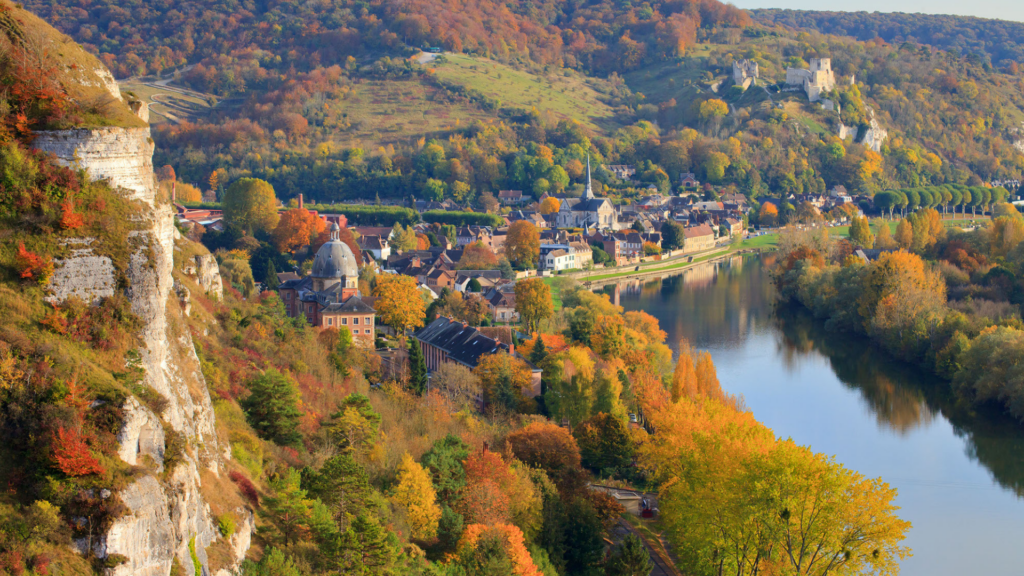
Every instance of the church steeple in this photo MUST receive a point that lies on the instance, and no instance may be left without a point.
(589, 194)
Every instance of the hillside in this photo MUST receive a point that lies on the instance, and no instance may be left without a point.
(320, 101)
(995, 42)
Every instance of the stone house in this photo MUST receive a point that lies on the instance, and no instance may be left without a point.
(622, 171)
(819, 78)
(513, 197)
(699, 238)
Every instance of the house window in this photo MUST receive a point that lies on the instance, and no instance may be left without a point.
(310, 308)
(330, 321)
(355, 321)
(368, 320)
(367, 331)
(287, 295)
(344, 321)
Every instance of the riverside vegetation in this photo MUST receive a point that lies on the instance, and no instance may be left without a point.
(946, 300)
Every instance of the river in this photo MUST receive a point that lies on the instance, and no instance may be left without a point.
(959, 472)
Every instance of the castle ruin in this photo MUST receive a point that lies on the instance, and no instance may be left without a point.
(818, 79)
(744, 72)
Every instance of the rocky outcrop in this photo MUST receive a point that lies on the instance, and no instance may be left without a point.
(83, 275)
(240, 541)
(124, 156)
(847, 131)
(206, 271)
(142, 434)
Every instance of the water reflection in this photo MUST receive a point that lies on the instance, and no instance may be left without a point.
(719, 306)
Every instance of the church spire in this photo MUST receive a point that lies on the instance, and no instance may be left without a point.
(335, 231)
(590, 191)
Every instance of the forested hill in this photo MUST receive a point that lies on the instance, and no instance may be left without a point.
(997, 42)
(137, 37)
(338, 106)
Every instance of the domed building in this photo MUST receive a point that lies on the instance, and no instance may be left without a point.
(329, 297)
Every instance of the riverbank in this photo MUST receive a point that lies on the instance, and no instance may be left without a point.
(758, 243)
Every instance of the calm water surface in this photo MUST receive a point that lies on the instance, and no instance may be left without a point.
(960, 473)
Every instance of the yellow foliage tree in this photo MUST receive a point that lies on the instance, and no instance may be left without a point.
(904, 234)
(550, 205)
(398, 302)
(533, 301)
(684, 379)
(415, 494)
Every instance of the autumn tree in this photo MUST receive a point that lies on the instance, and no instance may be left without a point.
(498, 549)
(883, 238)
(768, 215)
(673, 235)
(549, 205)
(477, 256)
(398, 303)
(860, 232)
(546, 446)
(503, 378)
(904, 234)
(250, 204)
(456, 383)
(684, 378)
(297, 227)
(71, 454)
(415, 495)
(522, 245)
(533, 301)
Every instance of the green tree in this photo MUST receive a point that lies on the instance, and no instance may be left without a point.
(271, 281)
(288, 507)
(272, 408)
(250, 204)
(273, 563)
(444, 461)
(604, 443)
(341, 484)
(417, 368)
(630, 559)
(673, 235)
(538, 354)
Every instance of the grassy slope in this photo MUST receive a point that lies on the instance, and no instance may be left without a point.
(77, 69)
(571, 96)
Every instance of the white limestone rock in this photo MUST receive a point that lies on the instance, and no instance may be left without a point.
(142, 434)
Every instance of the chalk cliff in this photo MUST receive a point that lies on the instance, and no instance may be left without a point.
(167, 508)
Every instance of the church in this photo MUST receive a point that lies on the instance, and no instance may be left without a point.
(587, 212)
(329, 297)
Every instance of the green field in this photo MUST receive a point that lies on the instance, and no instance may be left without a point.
(564, 94)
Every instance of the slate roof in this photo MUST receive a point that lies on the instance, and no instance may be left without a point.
(463, 344)
(354, 305)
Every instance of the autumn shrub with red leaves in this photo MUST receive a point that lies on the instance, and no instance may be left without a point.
(246, 487)
(69, 219)
(32, 266)
(72, 456)
(12, 562)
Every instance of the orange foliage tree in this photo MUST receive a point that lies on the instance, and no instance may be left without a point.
(477, 256)
(549, 205)
(507, 538)
(72, 455)
(547, 446)
(297, 227)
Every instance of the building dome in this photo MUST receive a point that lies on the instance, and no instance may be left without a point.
(335, 259)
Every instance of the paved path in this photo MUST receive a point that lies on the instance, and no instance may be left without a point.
(662, 566)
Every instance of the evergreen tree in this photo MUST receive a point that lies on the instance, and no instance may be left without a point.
(630, 559)
(289, 508)
(417, 368)
(444, 461)
(271, 281)
(449, 528)
(539, 353)
(272, 408)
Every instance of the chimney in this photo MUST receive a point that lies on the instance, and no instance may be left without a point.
(511, 349)
(300, 201)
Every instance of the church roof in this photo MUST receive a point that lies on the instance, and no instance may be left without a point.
(335, 259)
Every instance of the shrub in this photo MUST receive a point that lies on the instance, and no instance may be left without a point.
(246, 487)
(31, 266)
(226, 525)
(72, 455)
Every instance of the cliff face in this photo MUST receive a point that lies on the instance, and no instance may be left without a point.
(167, 507)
